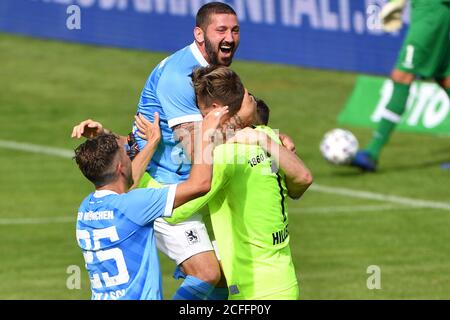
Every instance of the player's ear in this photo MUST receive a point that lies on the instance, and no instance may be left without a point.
(120, 168)
(216, 105)
(199, 35)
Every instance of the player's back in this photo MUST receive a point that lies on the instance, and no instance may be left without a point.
(250, 222)
(169, 92)
(120, 255)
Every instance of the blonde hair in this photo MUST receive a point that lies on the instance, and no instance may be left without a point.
(219, 84)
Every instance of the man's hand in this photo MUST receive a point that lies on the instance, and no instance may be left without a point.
(147, 130)
(255, 137)
(249, 136)
(212, 120)
(246, 115)
(88, 129)
(287, 142)
(192, 135)
(152, 133)
(391, 15)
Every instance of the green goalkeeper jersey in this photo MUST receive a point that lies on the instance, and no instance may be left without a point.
(248, 210)
(435, 1)
(424, 1)
(426, 49)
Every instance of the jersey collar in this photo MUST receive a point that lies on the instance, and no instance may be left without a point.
(103, 193)
(198, 55)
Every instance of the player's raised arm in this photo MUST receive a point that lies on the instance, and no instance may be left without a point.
(152, 133)
(184, 133)
(89, 129)
(298, 176)
(199, 181)
(147, 130)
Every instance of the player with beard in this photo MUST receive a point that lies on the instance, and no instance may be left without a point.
(169, 92)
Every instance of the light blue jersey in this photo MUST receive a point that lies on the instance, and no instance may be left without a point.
(169, 91)
(115, 233)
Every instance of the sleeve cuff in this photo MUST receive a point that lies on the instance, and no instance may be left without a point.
(170, 200)
(189, 118)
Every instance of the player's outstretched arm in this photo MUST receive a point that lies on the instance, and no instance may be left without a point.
(148, 131)
(298, 176)
(89, 129)
(152, 133)
(184, 133)
(199, 181)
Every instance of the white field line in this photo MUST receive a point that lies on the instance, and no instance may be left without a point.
(34, 148)
(307, 210)
(344, 192)
(46, 220)
(347, 209)
(416, 203)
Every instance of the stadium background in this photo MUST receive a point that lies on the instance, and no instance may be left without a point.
(396, 219)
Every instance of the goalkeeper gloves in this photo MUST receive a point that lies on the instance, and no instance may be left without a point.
(391, 15)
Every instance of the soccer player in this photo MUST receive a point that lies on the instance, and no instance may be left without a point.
(218, 80)
(425, 53)
(248, 209)
(169, 91)
(115, 227)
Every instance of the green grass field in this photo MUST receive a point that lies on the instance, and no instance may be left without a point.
(46, 87)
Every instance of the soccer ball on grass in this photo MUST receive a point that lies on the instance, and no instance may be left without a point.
(339, 146)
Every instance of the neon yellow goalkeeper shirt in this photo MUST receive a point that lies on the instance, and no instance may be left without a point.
(248, 208)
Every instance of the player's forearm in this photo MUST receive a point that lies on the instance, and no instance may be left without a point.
(298, 176)
(140, 162)
(199, 181)
(198, 184)
(184, 133)
(191, 207)
(186, 210)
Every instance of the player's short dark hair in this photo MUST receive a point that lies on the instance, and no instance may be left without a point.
(95, 158)
(262, 112)
(206, 11)
(219, 84)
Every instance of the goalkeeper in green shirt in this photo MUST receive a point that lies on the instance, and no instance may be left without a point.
(253, 175)
(425, 53)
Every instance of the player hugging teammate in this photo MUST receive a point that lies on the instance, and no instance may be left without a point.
(179, 102)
